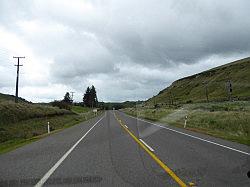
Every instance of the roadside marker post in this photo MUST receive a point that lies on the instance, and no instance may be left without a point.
(185, 123)
(95, 112)
(48, 128)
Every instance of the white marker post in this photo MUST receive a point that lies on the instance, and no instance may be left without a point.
(185, 123)
(48, 128)
(95, 112)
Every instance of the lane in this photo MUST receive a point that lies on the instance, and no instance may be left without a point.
(59, 162)
(193, 160)
(110, 155)
(29, 163)
(149, 151)
(202, 137)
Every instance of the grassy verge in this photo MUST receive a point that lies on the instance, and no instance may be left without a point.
(227, 120)
(80, 109)
(11, 112)
(20, 133)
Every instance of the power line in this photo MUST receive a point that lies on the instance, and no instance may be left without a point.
(17, 77)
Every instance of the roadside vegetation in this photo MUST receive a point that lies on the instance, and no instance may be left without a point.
(11, 112)
(117, 106)
(227, 120)
(80, 109)
(216, 102)
(24, 122)
(7, 97)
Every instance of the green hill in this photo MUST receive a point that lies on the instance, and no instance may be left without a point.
(7, 97)
(193, 88)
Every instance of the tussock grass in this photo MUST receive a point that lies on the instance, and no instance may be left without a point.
(149, 113)
(80, 109)
(227, 120)
(20, 133)
(23, 122)
(11, 112)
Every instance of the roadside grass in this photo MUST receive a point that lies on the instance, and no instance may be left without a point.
(7, 97)
(149, 113)
(232, 125)
(17, 134)
(80, 109)
(11, 112)
(227, 120)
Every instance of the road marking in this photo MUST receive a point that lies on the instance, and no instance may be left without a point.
(155, 158)
(51, 171)
(126, 126)
(150, 148)
(195, 137)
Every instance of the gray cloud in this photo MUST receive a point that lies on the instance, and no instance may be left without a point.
(138, 47)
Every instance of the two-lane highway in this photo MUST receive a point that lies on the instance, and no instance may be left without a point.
(194, 157)
(101, 152)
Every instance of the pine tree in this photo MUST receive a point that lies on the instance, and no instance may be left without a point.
(67, 98)
(90, 98)
(86, 98)
(93, 97)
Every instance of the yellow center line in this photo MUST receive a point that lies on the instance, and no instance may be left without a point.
(158, 161)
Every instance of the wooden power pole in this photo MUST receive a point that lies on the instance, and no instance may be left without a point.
(17, 76)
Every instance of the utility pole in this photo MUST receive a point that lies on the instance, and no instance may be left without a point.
(229, 90)
(206, 91)
(17, 77)
(72, 95)
(171, 98)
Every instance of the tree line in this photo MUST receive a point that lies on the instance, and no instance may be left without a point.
(89, 99)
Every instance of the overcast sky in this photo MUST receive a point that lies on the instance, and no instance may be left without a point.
(128, 49)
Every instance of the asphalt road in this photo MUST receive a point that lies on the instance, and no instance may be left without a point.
(102, 152)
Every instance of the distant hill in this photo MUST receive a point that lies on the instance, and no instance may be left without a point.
(118, 105)
(193, 88)
(7, 97)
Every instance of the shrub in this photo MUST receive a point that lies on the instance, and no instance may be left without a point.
(61, 105)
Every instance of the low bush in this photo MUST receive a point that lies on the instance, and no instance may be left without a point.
(61, 105)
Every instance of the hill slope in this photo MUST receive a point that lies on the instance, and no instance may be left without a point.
(24, 122)
(7, 97)
(193, 88)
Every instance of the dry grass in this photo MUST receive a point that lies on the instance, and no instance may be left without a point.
(228, 120)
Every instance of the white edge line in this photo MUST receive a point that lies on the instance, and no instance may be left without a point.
(150, 148)
(208, 141)
(51, 171)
